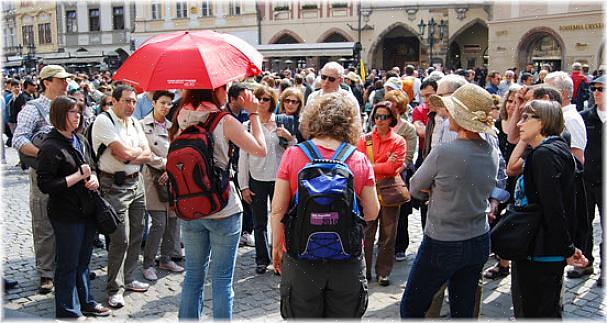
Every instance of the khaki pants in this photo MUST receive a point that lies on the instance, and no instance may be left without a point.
(125, 244)
(388, 223)
(42, 230)
(165, 229)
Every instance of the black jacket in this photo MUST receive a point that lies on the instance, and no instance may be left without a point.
(549, 180)
(58, 159)
(593, 157)
(17, 105)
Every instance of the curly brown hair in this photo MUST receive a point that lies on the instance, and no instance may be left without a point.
(400, 100)
(331, 115)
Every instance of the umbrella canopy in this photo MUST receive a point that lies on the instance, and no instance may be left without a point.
(189, 60)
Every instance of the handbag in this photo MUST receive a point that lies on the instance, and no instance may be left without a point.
(162, 190)
(391, 191)
(106, 218)
(513, 237)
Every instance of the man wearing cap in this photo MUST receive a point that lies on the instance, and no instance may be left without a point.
(580, 86)
(331, 76)
(594, 119)
(353, 81)
(32, 119)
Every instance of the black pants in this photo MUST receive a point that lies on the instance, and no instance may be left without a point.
(540, 285)
(402, 230)
(323, 289)
(263, 191)
(594, 198)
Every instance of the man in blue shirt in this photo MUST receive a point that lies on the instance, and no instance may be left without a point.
(144, 105)
(493, 79)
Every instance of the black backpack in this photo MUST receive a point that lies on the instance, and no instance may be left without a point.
(324, 222)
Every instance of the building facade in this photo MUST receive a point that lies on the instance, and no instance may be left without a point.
(568, 31)
(235, 17)
(93, 34)
(12, 53)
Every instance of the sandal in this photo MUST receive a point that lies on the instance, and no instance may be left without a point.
(496, 272)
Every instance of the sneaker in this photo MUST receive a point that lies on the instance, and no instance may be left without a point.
(46, 285)
(116, 300)
(579, 272)
(383, 280)
(137, 286)
(246, 239)
(98, 310)
(400, 256)
(150, 274)
(261, 269)
(171, 266)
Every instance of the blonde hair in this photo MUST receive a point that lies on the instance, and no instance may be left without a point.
(332, 115)
(400, 100)
(291, 91)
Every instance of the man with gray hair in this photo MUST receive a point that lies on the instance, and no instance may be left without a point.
(505, 84)
(573, 121)
(331, 77)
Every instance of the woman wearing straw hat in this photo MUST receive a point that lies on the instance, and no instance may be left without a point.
(459, 177)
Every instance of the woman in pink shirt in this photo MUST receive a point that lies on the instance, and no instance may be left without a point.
(310, 289)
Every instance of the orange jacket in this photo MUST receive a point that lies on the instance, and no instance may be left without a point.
(382, 149)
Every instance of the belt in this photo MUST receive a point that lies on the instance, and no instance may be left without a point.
(131, 176)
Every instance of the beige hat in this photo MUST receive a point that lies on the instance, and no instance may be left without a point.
(470, 106)
(54, 71)
(394, 83)
(353, 77)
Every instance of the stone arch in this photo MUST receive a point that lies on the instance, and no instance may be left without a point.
(332, 31)
(522, 50)
(380, 38)
(454, 44)
(285, 32)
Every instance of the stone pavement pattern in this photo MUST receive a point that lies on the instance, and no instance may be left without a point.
(257, 296)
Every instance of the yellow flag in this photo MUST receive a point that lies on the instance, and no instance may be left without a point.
(363, 75)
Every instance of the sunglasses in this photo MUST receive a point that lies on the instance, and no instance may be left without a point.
(289, 101)
(382, 117)
(265, 99)
(331, 78)
(594, 88)
(525, 117)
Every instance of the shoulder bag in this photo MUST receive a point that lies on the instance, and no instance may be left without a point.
(391, 191)
(513, 236)
(106, 218)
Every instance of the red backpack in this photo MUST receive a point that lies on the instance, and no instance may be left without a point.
(197, 188)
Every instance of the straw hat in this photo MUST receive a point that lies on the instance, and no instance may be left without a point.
(470, 106)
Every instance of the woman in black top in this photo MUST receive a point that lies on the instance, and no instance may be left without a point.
(547, 180)
(64, 173)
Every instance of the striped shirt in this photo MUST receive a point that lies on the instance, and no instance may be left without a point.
(30, 122)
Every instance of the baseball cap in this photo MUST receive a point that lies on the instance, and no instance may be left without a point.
(54, 71)
(600, 79)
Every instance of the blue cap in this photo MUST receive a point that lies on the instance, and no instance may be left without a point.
(599, 80)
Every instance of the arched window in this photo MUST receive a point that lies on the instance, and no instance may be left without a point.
(335, 38)
(286, 39)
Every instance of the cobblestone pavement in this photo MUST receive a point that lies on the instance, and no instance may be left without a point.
(257, 296)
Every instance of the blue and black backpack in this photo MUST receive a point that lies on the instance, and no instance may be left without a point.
(324, 222)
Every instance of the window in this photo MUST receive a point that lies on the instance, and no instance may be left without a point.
(206, 8)
(28, 35)
(9, 37)
(71, 21)
(156, 11)
(94, 20)
(182, 10)
(235, 8)
(118, 18)
(44, 33)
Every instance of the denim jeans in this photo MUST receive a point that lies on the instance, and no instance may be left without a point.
(74, 243)
(457, 262)
(204, 240)
(259, 208)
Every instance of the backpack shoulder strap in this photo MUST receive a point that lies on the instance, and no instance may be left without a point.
(343, 152)
(369, 144)
(40, 109)
(213, 120)
(310, 150)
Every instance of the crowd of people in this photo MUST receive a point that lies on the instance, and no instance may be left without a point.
(467, 143)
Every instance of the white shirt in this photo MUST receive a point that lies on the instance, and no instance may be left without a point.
(602, 115)
(129, 133)
(349, 94)
(575, 125)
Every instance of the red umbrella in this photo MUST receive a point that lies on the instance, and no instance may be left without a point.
(189, 60)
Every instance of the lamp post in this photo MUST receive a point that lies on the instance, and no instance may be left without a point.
(432, 31)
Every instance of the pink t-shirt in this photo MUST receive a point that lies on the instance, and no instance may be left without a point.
(294, 160)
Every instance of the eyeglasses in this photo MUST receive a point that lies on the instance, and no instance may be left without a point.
(289, 101)
(331, 78)
(525, 117)
(265, 99)
(382, 117)
(74, 111)
(594, 88)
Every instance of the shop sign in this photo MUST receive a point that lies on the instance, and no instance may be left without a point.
(598, 25)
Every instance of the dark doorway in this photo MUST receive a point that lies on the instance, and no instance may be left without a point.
(400, 51)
